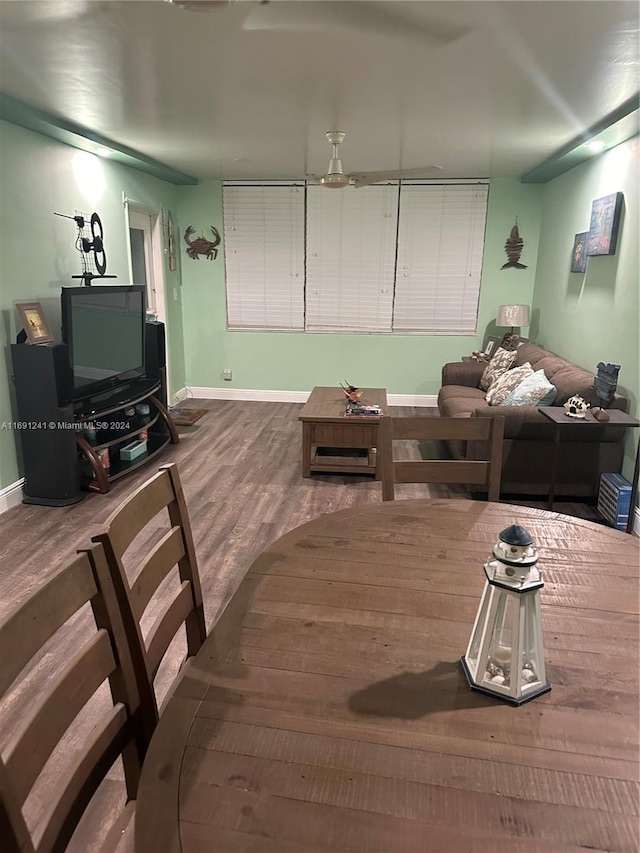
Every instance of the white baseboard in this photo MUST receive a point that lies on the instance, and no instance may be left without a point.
(202, 393)
(417, 400)
(11, 496)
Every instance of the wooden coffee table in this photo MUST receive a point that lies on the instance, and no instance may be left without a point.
(354, 438)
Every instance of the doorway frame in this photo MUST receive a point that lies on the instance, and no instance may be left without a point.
(131, 206)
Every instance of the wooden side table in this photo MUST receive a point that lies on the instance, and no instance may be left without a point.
(325, 425)
(557, 415)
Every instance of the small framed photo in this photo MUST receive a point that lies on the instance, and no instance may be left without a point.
(579, 254)
(33, 321)
(490, 347)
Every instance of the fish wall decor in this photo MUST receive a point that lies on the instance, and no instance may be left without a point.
(513, 247)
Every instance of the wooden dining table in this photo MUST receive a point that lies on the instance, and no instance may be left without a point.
(328, 710)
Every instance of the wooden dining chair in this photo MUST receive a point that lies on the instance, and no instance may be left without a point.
(39, 724)
(174, 548)
(419, 428)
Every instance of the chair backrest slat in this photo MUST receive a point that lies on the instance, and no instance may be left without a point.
(50, 719)
(138, 510)
(166, 554)
(166, 626)
(441, 471)
(77, 785)
(420, 428)
(440, 429)
(43, 721)
(161, 492)
(29, 627)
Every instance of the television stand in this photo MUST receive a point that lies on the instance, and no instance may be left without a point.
(110, 422)
(115, 398)
(72, 445)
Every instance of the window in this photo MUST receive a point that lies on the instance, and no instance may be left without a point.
(264, 256)
(403, 258)
(440, 246)
(351, 256)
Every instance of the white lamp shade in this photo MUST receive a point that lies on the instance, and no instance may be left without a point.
(513, 315)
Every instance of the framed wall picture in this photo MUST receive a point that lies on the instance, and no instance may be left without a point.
(34, 323)
(579, 254)
(604, 224)
(490, 346)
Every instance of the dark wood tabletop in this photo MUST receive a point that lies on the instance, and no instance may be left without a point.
(616, 417)
(327, 710)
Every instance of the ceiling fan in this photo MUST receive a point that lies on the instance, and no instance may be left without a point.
(336, 178)
(370, 17)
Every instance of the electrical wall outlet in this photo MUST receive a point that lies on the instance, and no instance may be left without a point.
(227, 375)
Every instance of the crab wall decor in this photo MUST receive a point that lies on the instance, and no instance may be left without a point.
(202, 246)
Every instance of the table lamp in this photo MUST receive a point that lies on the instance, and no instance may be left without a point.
(512, 315)
(505, 657)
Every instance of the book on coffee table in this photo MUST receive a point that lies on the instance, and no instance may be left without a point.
(363, 409)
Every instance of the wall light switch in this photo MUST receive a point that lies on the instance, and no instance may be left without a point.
(175, 294)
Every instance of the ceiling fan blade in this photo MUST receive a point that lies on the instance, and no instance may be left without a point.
(313, 180)
(365, 179)
(357, 16)
(201, 5)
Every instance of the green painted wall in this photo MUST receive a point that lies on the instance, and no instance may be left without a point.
(594, 316)
(37, 257)
(403, 364)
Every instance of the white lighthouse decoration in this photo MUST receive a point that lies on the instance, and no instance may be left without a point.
(505, 656)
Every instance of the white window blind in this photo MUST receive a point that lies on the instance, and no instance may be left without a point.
(351, 245)
(264, 256)
(439, 264)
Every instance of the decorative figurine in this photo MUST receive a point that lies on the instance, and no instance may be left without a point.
(505, 656)
(605, 385)
(513, 247)
(352, 393)
(576, 407)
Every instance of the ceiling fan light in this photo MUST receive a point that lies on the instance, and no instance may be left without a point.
(335, 180)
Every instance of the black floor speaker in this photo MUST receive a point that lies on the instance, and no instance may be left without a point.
(155, 356)
(45, 421)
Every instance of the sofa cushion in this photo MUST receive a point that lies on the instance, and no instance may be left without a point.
(501, 361)
(506, 383)
(473, 396)
(531, 353)
(460, 407)
(534, 390)
(573, 380)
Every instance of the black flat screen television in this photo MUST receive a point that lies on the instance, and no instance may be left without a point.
(104, 329)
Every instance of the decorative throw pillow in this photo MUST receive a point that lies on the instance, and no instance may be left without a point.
(502, 360)
(505, 384)
(535, 390)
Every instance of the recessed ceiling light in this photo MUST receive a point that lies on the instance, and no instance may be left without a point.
(596, 145)
(103, 152)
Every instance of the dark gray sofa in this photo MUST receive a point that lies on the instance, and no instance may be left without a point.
(528, 444)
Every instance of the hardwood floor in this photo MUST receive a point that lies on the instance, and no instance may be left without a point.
(241, 474)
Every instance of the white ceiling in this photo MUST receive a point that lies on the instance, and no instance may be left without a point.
(202, 94)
